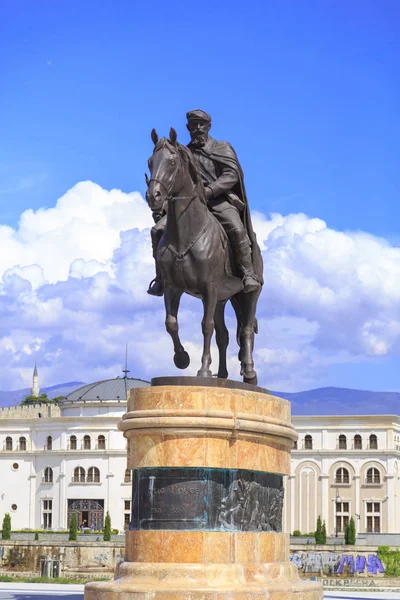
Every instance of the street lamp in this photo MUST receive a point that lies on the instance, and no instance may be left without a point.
(338, 500)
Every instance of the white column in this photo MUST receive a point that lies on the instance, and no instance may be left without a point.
(357, 508)
(390, 506)
(62, 501)
(32, 504)
(325, 500)
(292, 479)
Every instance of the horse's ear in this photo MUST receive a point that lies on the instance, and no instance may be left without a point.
(173, 136)
(154, 136)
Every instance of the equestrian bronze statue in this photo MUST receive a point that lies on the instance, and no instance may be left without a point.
(203, 241)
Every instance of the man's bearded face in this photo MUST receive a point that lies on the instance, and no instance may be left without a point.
(198, 132)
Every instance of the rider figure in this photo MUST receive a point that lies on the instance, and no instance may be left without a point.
(222, 176)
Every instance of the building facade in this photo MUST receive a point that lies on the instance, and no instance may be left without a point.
(344, 466)
(56, 460)
(71, 457)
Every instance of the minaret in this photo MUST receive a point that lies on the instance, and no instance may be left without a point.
(35, 382)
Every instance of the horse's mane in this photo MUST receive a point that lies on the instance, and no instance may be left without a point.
(187, 157)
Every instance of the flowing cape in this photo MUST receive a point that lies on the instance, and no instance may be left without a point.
(223, 154)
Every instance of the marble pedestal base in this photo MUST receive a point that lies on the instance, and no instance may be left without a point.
(243, 432)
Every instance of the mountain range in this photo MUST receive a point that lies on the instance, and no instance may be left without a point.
(320, 401)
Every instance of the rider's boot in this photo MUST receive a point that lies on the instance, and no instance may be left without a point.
(242, 252)
(156, 287)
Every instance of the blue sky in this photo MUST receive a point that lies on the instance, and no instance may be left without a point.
(307, 92)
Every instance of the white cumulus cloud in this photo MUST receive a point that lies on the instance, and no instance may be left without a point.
(73, 292)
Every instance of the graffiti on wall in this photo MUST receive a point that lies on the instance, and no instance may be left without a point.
(330, 563)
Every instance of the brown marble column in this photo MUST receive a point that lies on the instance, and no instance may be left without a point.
(207, 503)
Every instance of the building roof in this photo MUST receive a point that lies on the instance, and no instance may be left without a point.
(109, 389)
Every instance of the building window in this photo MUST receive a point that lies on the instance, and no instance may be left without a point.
(342, 476)
(127, 514)
(49, 443)
(47, 516)
(48, 475)
(373, 517)
(128, 476)
(15, 466)
(342, 442)
(342, 516)
(86, 442)
(9, 443)
(101, 442)
(79, 475)
(373, 475)
(14, 507)
(93, 475)
(295, 445)
(308, 442)
(73, 442)
(22, 444)
(357, 442)
(373, 442)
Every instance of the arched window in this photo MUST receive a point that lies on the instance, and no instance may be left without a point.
(22, 444)
(9, 443)
(48, 475)
(373, 442)
(79, 475)
(373, 475)
(357, 442)
(73, 442)
(86, 442)
(342, 442)
(101, 442)
(308, 442)
(128, 476)
(93, 475)
(295, 445)
(49, 443)
(342, 476)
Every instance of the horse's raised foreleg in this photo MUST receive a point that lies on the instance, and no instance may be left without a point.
(222, 338)
(172, 298)
(207, 325)
(247, 337)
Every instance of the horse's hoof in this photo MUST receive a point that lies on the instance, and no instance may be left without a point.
(222, 374)
(182, 359)
(204, 373)
(250, 377)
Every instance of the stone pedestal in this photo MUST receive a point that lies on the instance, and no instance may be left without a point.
(207, 464)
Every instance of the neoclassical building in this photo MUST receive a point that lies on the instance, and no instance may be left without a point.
(345, 466)
(56, 460)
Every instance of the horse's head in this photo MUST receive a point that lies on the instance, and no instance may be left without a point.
(166, 175)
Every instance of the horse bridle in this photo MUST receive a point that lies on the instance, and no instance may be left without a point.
(171, 187)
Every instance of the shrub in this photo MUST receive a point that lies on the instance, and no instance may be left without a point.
(297, 533)
(351, 533)
(323, 533)
(36, 535)
(6, 531)
(318, 532)
(107, 528)
(73, 528)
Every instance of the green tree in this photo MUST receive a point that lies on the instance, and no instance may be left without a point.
(73, 528)
(41, 399)
(323, 533)
(318, 531)
(107, 528)
(350, 539)
(6, 531)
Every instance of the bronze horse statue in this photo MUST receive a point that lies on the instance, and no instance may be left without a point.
(194, 257)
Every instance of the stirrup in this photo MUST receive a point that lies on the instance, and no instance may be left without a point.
(156, 287)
